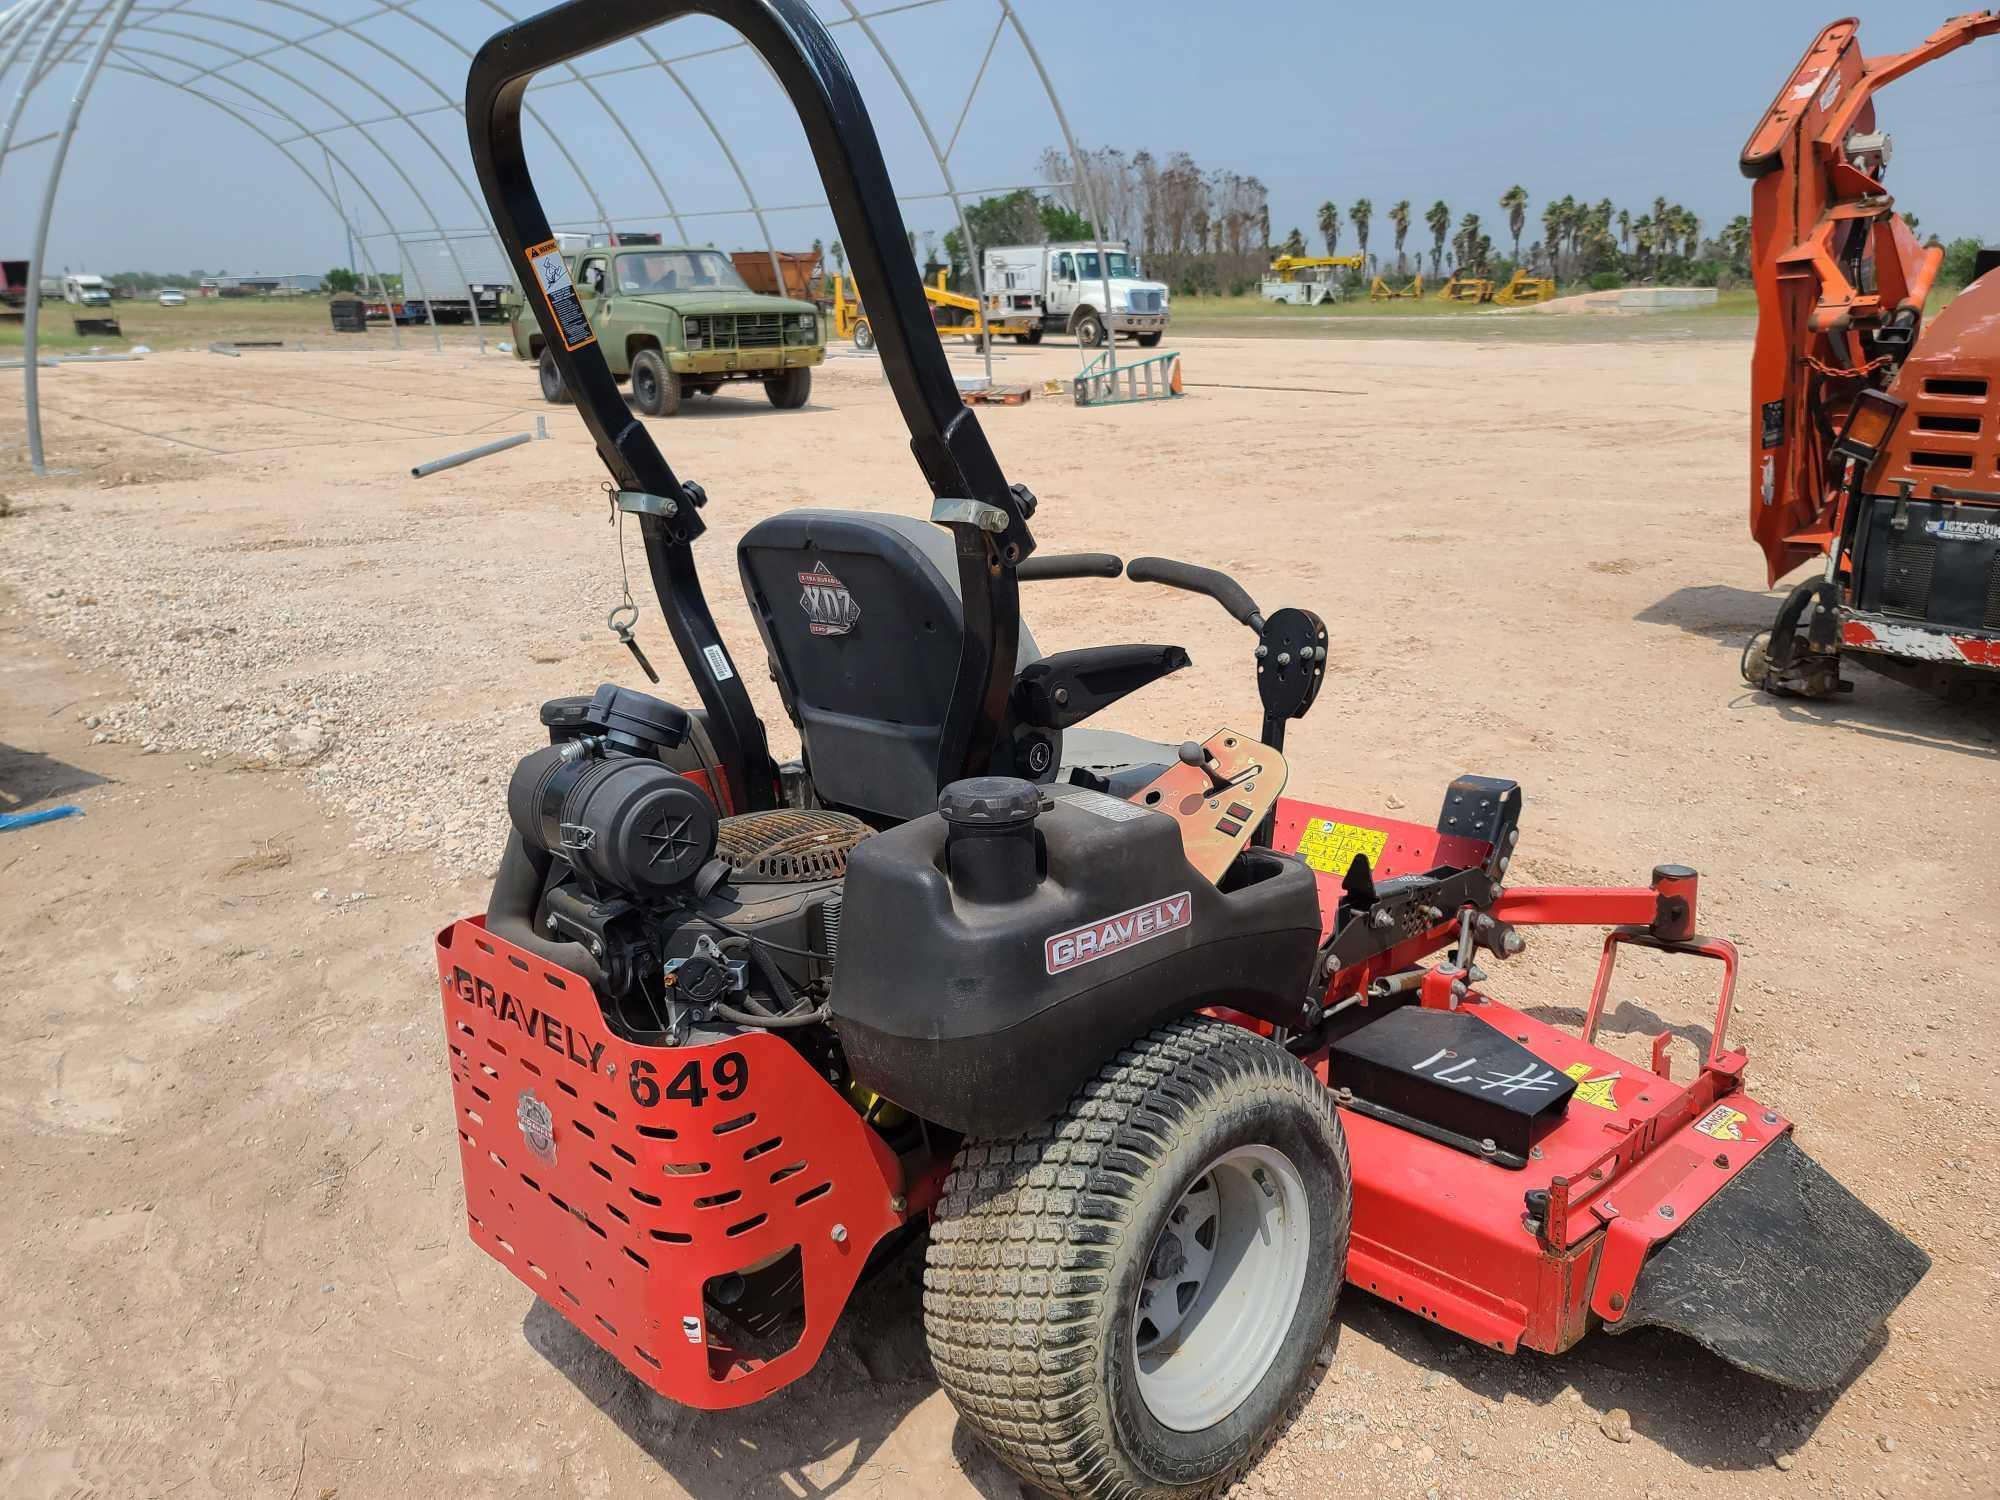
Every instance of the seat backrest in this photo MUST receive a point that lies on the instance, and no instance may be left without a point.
(861, 618)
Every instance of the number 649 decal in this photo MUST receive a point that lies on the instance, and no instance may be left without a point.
(730, 1077)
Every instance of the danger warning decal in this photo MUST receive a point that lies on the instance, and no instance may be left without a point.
(552, 276)
(1095, 940)
(1599, 1090)
(1722, 1123)
(1331, 847)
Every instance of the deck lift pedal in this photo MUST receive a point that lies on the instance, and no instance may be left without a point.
(1154, 1055)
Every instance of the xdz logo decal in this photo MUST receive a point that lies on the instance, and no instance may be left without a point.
(1094, 940)
(830, 609)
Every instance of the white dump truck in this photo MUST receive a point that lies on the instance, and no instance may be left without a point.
(1066, 287)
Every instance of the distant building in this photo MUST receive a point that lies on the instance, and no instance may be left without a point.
(259, 286)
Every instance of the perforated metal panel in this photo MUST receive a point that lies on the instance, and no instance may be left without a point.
(625, 1184)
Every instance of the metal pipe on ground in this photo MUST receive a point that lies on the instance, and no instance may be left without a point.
(484, 450)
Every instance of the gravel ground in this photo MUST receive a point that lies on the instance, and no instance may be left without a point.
(287, 683)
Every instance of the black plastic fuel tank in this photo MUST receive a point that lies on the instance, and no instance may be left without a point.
(982, 1009)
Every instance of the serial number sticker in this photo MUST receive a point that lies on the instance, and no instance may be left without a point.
(1330, 847)
(552, 276)
(717, 663)
(1112, 809)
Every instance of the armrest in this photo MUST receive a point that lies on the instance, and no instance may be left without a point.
(1069, 565)
(1070, 686)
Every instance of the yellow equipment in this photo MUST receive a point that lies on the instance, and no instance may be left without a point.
(1466, 289)
(1287, 267)
(1381, 291)
(850, 319)
(1525, 290)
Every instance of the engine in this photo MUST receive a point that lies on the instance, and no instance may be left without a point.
(620, 868)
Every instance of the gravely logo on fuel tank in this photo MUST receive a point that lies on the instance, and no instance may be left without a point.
(1100, 939)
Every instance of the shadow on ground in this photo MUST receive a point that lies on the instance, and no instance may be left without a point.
(28, 777)
(821, 1435)
(1877, 707)
(825, 1434)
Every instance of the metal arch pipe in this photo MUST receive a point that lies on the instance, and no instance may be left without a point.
(284, 114)
(33, 75)
(152, 29)
(31, 341)
(121, 63)
(590, 86)
(1076, 166)
(405, 117)
(944, 170)
(402, 8)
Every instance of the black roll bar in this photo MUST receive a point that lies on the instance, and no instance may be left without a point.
(991, 532)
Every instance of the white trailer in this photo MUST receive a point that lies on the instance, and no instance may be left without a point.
(450, 275)
(1069, 291)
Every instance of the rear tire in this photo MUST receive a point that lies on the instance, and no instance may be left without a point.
(1127, 1299)
(1035, 334)
(864, 336)
(656, 390)
(555, 390)
(788, 392)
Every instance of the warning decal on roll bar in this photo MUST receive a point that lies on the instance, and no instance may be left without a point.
(552, 275)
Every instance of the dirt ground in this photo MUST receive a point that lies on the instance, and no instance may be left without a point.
(286, 682)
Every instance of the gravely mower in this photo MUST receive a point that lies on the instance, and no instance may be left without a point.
(1874, 433)
(1155, 1055)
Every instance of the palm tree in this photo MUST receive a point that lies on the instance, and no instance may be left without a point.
(1625, 227)
(1552, 229)
(1466, 244)
(1295, 243)
(1515, 201)
(1329, 225)
(1438, 218)
(1400, 217)
(1361, 213)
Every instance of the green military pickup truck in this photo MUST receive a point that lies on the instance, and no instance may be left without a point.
(680, 321)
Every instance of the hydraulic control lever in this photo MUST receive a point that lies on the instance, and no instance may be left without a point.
(1291, 644)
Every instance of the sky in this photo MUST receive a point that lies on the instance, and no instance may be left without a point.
(1320, 100)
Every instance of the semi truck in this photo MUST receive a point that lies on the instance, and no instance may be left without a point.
(1067, 290)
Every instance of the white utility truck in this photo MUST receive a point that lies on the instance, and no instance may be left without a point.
(1066, 287)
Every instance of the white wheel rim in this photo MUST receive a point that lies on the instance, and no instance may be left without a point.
(1221, 1288)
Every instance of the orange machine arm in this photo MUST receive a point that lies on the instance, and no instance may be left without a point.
(1841, 281)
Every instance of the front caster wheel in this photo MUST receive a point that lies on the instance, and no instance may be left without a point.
(1127, 1300)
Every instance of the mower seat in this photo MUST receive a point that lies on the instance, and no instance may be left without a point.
(861, 618)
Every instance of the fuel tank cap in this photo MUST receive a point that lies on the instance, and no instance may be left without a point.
(989, 802)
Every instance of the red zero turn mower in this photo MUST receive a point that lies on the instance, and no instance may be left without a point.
(1154, 1054)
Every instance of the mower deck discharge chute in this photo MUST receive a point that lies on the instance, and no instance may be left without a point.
(1157, 1055)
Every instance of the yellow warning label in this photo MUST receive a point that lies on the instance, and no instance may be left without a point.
(1722, 1123)
(1330, 846)
(1597, 1091)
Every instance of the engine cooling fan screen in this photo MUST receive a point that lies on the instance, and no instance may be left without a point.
(777, 847)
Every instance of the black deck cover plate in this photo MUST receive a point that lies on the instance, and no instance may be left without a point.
(1784, 1273)
(1450, 1070)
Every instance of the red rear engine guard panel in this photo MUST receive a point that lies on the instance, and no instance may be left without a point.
(615, 1179)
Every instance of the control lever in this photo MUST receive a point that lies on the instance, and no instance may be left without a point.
(1194, 753)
